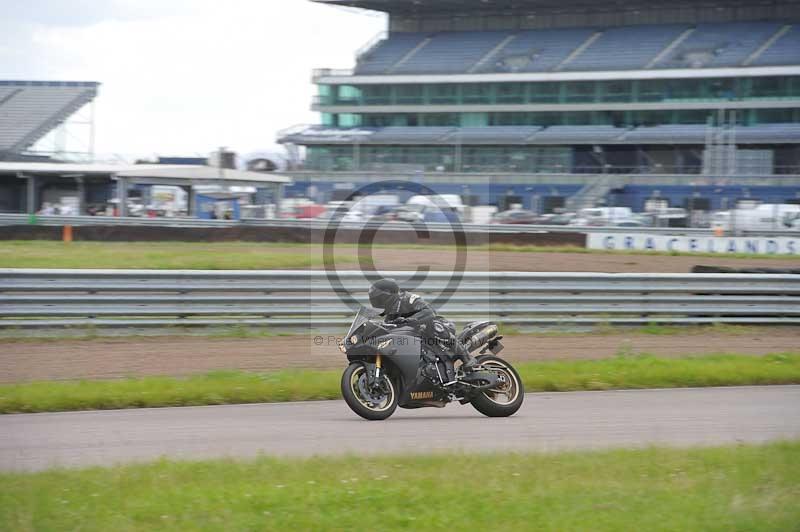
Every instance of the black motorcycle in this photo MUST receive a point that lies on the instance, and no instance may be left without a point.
(392, 365)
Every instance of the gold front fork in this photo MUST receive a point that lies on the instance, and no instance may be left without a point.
(377, 367)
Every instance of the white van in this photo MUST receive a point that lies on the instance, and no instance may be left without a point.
(764, 217)
(452, 201)
(376, 203)
(602, 216)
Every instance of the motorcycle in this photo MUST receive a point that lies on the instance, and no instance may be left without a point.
(391, 365)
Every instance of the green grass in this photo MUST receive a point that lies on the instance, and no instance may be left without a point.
(162, 255)
(235, 387)
(738, 488)
(238, 255)
(646, 371)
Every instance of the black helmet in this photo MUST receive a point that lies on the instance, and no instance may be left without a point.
(382, 292)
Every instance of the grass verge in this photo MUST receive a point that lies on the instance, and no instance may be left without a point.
(233, 387)
(721, 488)
(162, 255)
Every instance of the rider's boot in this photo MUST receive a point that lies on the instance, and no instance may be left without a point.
(467, 361)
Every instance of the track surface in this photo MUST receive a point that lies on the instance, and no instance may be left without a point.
(547, 422)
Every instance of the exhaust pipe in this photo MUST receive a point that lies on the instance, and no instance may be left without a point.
(481, 337)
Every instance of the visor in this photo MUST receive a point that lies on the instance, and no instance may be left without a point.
(378, 298)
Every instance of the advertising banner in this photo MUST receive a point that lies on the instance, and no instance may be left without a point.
(780, 245)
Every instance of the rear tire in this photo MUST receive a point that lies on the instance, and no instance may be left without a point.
(505, 400)
(354, 383)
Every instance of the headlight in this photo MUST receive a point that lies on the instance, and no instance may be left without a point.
(354, 339)
(384, 343)
(342, 348)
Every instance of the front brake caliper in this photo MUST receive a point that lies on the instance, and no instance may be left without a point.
(365, 391)
(369, 371)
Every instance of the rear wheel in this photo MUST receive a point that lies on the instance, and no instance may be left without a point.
(505, 399)
(370, 402)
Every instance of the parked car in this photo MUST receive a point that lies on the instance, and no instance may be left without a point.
(563, 218)
(630, 222)
(436, 215)
(600, 216)
(667, 217)
(400, 213)
(384, 213)
(309, 211)
(792, 221)
(376, 204)
(342, 215)
(518, 216)
(452, 201)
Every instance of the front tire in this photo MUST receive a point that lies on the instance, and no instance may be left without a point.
(374, 405)
(505, 400)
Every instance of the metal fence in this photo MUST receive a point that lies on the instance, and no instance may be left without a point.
(307, 299)
(24, 219)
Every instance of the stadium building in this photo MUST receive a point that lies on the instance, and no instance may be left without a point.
(35, 173)
(565, 103)
(30, 110)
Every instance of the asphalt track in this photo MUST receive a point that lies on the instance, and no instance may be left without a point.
(547, 422)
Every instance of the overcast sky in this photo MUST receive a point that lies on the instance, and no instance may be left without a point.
(182, 77)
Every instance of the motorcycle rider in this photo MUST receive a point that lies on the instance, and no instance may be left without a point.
(402, 307)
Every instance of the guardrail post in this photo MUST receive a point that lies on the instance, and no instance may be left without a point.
(81, 195)
(278, 196)
(31, 193)
(122, 197)
(191, 202)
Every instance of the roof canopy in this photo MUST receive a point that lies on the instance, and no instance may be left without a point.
(31, 109)
(788, 133)
(198, 175)
(410, 7)
(181, 175)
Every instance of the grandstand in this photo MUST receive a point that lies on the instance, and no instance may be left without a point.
(537, 101)
(29, 110)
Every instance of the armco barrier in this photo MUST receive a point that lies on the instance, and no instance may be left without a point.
(141, 298)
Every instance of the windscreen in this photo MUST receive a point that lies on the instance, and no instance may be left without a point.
(364, 315)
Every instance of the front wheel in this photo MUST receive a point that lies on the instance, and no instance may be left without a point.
(374, 403)
(505, 399)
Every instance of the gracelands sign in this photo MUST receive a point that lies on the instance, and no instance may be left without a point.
(695, 244)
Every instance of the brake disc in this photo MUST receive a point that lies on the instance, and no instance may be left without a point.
(367, 394)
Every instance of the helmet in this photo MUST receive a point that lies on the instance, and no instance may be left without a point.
(382, 292)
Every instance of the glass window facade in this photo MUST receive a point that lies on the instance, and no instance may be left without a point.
(526, 159)
(536, 158)
(571, 118)
(617, 91)
(520, 159)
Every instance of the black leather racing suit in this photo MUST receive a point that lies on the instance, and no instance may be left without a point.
(435, 329)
